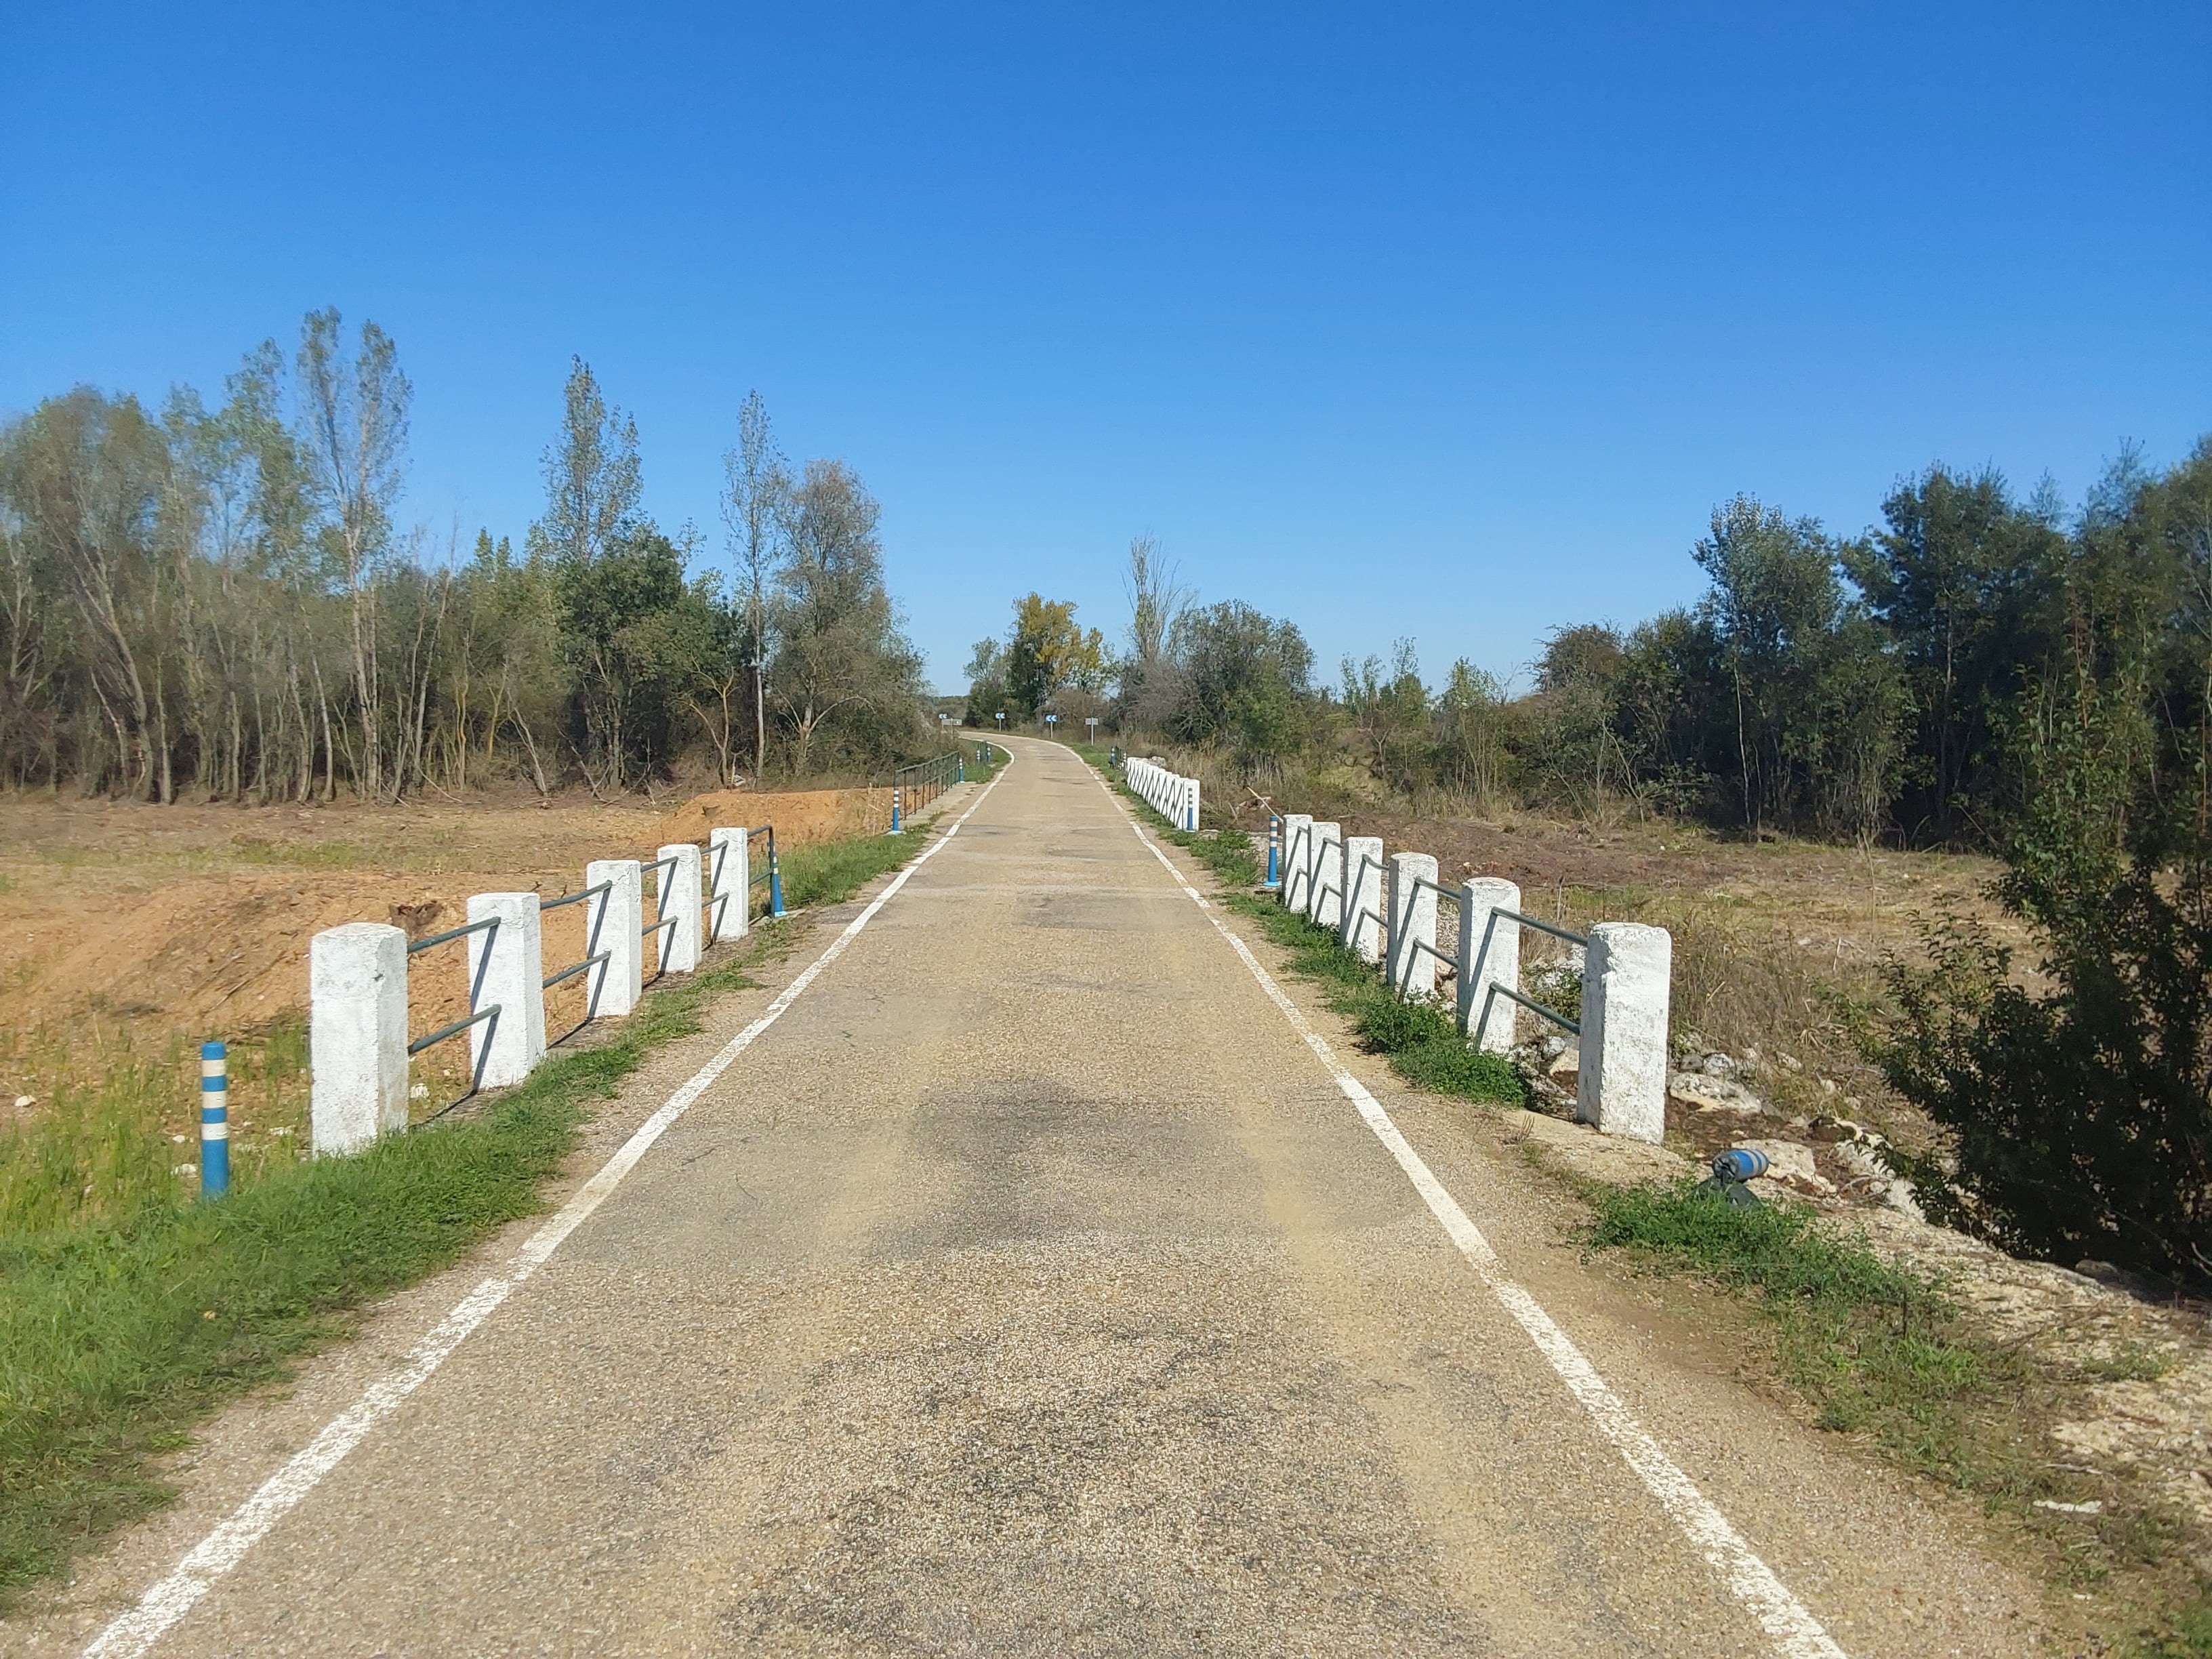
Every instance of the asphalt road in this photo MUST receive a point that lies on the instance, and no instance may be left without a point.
(1030, 1287)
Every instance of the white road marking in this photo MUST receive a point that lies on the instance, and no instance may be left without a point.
(167, 1602)
(1794, 1632)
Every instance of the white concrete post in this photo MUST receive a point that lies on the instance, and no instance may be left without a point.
(1413, 941)
(1328, 909)
(356, 1035)
(680, 903)
(1621, 1085)
(507, 967)
(1361, 929)
(615, 916)
(1489, 954)
(1298, 861)
(729, 866)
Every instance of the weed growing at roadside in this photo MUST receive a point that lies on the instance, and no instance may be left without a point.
(1419, 1038)
(129, 1309)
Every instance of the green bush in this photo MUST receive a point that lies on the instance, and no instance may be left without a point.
(2082, 1106)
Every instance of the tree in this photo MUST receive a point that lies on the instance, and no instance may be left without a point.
(756, 492)
(353, 436)
(1047, 650)
(1151, 683)
(839, 651)
(1245, 680)
(1809, 693)
(1960, 581)
(593, 480)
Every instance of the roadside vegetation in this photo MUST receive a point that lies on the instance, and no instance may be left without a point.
(130, 1308)
(221, 601)
(1884, 1354)
(1419, 1039)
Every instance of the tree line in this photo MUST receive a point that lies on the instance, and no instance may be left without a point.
(221, 603)
(1981, 671)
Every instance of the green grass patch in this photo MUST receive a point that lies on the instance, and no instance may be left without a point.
(129, 1309)
(1877, 1349)
(1419, 1039)
(1881, 1353)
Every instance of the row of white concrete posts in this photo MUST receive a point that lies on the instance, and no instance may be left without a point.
(1173, 797)
(357, 978)
(1386, 911)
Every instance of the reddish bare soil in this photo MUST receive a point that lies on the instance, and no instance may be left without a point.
(193, 921)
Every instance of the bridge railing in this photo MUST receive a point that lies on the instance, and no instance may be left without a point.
(358, 976)
(1421, 933)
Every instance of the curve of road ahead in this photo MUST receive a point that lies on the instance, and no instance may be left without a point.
(1032, 1285)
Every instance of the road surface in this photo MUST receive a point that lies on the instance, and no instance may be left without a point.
(1032, 1285)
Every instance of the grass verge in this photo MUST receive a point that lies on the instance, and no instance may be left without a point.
(129, 1310)
(1881, 1353)
(1419, 1039)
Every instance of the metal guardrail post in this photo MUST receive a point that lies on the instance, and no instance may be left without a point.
(679, 905)
(1621, 1084)
(1329, 877)
(1489, 954)
(1297, 862)
(214, 1120)
(356, 1035)
(616, 917)
(506, 969)
(1364, 924)
(1413, 911)
(729, 911)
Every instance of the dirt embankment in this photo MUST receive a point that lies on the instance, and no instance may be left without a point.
(193, 921)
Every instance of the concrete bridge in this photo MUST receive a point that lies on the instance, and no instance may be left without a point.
(1044, 1277)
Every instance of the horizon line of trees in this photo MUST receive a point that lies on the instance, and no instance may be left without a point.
(1981, 671)
(221, 604)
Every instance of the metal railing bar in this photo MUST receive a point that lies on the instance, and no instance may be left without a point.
(572, 970)
(653, 927)
(451, 933)
(667, 863)
(573, 898)
(1423, 944)
(455, 1029)
(1540, 926)
(1531, 1006)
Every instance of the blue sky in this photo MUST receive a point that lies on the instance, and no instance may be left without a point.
(1451, 323)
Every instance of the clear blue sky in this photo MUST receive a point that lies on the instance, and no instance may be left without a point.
(1448, 322)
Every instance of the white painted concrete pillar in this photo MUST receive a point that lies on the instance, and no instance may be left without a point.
(1413, 941)
(1328, 909)
(507, 967)
(680, 903)
(1297, 861)
(1489, 954)
(356, 1035)
(1361, 929)
(616, 917)
(729, 870)
(1621, 1086)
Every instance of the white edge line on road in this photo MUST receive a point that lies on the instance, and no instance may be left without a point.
(160, 1607)
(1795, 1633)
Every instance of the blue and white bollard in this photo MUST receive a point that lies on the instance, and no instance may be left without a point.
(895, 810)
(215, 1120)
(775, 879)
(1274, 850)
